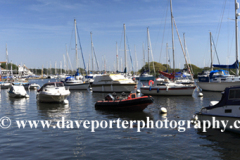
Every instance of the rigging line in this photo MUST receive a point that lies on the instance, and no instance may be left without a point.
(81, 51)
(121, 38)
(130, 53)
(215, 50)
(95, 57)
(163, 35)
(224, 5)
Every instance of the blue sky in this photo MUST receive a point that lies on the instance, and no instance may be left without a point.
(37, 31)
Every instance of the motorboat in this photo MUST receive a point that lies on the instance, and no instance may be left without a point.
(167, 88)
(129, 103)
(6, 85)
(53, 92)
(17, 91)
(31, 86)
(227, 109)
(113, 83)
(74, 83)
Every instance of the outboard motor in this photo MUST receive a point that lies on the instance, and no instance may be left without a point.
(109, 97)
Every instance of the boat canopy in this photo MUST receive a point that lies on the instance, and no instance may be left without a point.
(168, 75)
(231, 96)
(233, 66)
(216, 71)
(77, 73)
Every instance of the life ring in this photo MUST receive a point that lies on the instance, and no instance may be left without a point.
(150, 82)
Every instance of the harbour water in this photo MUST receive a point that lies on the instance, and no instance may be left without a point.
(110, 143)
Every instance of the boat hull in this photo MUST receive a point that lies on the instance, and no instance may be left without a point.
(51, 98)
(80, 86)
(164, 91)
(230, 120)
(17, 95)
(136, 104)
(216, 86)
(109, 88)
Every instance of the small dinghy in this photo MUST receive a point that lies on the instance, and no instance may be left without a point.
(129, 103)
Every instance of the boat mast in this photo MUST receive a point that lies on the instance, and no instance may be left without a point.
(143, 55)
(148, 51)
(236, 32)
(172, 37)
(125, 48)
(6, 58)
(92, 51)
(211, 51)
(167, 55)
(117, 56)
(75, 24)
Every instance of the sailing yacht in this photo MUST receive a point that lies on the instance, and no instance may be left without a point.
(218, 80)
(166, 87)
(76, 81)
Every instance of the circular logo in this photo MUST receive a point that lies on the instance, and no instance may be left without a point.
(5, 122)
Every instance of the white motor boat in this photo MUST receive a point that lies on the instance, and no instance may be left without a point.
(6, 85)
(31, 86)
(53, 92)
(168, 88)
(18, 91)
(113, 83)
(227, 109)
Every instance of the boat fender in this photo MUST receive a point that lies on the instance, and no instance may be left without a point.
(150, 88)
(158, 90)
(167, 88)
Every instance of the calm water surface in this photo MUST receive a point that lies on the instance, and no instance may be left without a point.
(43, 143)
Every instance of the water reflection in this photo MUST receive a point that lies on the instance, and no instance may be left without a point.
(19, 103)
(53, 111)
(225, 143)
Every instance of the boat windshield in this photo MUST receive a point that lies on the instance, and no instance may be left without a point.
(59, 84)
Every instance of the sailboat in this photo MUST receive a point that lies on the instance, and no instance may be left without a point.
(114, 82)
(76, 81)
(218, 80)
(167, 87)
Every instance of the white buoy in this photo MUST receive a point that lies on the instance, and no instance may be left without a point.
(27, 96)
(163, 110)
(138, 90)
(200, 94)
(65, 101)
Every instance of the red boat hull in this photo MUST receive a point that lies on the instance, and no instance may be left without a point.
(133, 104)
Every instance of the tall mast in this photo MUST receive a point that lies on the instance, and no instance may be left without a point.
(125, 48)
(236, 32)
(6, 58)
(172, 37)
(211, 51)
(117, 57)
(148, 50)
(75, 24)
(143, 55)
(167, 55)
(135, 58)
(92, 51)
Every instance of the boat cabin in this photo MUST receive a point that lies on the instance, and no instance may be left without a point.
(51, 85)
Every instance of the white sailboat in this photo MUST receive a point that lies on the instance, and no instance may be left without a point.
(218, 80)
(167, 87)
(76, 81)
